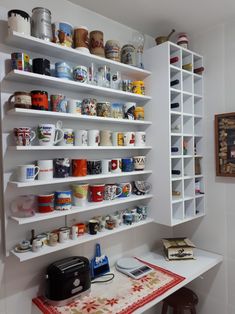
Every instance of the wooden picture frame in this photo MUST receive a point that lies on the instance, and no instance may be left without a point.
(225, 144)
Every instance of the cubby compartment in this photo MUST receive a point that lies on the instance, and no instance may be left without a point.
(199, 187)
(198, 166)
(197, 85)
(187, 125)
(176, 145)
(189, 209)
(187, 82)
(177, 211)
(198, 106)
(188, 146)
(198, 145)
(198, 126)
(200, 205)
(187, 104)
(175, 104)
(175, 56)
(176, 123)
(187, 61)
(188, 188)
(177, 191)
(188, 167)
(176, 167)
(175, 78)
(197, 62)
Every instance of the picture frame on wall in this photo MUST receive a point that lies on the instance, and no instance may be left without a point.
(225, 144)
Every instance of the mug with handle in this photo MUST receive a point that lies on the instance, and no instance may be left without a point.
(50, 134)
(26, 173)
(24, 136)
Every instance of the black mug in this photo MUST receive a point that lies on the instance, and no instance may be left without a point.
(93, 226)
(61, 167)
(94, 167)
(41, 66)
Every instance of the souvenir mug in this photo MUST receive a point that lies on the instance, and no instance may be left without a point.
(129, 110)
(112, 50)
(117, 111)
(63, 200)
(27, 173)
(81, 40)
(97, 43)
(140, 139)
(139, 113)
(93, 137)
(80, 74)
(79, 167)
(39, 100)
(74, 106)
(112, 191)
(41, 66)
(61, 167)
(62, 34)
(93, 226)
(126, 86)
(96, 193)
(89, 107)
(37, 244)
(94, 167)
(46, 203)
(68, 139)
(129, 138)
(53, 238)
(116, 165)
(80, 192)
(20, 61)
(21, 100)
(126, 189)
(117, 139)
(139, 162)
(19, 21)
(104, 109)
(45, 170)
(138, 87)
(105, 138)
(58, 103)
(127, 164)
(24, 206)
(81, 137)
(63, 70)
(116, 80)
(24, 136)
(106, 166)
(49, 134)
(128, 54)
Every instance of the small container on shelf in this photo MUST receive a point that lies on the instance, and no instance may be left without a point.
(182, 40)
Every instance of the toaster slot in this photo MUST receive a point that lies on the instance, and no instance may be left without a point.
(71, 264)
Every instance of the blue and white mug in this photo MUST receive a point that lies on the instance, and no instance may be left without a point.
(26, 173)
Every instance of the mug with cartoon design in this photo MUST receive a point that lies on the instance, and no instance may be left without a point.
(89, 107)
(126, 189)
(68, 139)
(49, 134)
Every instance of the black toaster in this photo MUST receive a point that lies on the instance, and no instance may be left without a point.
(67, 279)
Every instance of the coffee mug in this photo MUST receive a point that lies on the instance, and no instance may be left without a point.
(93, 137)
(49, 134)
(80, 192)
(81, 137)
(79, 167)
(20, 61)
(80, 74)
(89, 107)
(105, 138)
(24, 136)
(117, 111)
(140, 139)
(37, 244)
(22, 100)
(94, 167)
(127, 164)
(74, 232)
(106, 166)
(116, 165)
(24, 244)
(96, 193)
(61, 167)
(63, 200)
(45, 170)
(117, 139)
(111, 191)
(63, 236)
(129, 110)
(53, 238)
(68, 139)
(27, 173)
(93, 226)
(58, 103)
(81, 228)
(139, 162)
(126, 189)
(24, 206)
(104, 109)
(74, 106)
(39, 100)
(46, 203)
(129, 138)
(41, 66)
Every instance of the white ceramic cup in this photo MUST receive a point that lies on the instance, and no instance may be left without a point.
(116, 165)
(140, 139)
(117, 138)
(68, 138)
(74, 106)
(139, 162)
(93, 137)
(129, 138)
(80, 138)
(45, 169)
(49, 134)
(27, 173)
(37, 244)
(105, 138)
(63, 236)
(106, 166)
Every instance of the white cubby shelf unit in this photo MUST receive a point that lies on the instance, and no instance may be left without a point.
(179, 114)
(16, 228)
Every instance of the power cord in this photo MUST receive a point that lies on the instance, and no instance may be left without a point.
(105, 275)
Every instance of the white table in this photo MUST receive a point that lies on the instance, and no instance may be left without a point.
(190, 269)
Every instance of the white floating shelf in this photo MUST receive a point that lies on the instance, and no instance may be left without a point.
(82, 239)
(60, 115)
(76, 210)
(78, 179)
(31, 148)
(199, 195)
(31, 43)
(55, 82)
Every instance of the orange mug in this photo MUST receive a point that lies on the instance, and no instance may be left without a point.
(79, 167)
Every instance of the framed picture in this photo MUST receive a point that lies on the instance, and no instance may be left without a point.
(225, 144)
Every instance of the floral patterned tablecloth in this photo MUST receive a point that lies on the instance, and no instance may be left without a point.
(123, 295)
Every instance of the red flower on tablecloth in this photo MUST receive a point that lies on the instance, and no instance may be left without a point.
(137, 288)
(111, 301)
(89, 306)
(145, 279)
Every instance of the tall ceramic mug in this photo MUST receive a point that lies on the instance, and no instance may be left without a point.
(26, 173)
(96, 193)
(49, 134)
(58, 103)
(63, 200)
(79, 167)
(112, 191)
(97, 43)
(61, 167)
(81, 40)
(80, 192)
(24, 136)
(19, 21)
(62, 33)
(105, 138)
(74, 106)
(117, 139)
(81, 137)
(116, 165)
(45, 169)
(46, 203)
(21, 100)
(93, 137)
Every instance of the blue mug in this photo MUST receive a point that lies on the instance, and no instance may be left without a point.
(127, 164)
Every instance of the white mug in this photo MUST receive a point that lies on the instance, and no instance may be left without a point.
(49, 134)
(106, 166)
(74, 106)
(68, 138)
(81, 138)
(45, 169)
(117, 139)
(129, 138)
(63, 236)
(140, 139)
(93, 137)
(105, 138)
(139, 162)
(27, 173)
(37, 244)
(116, 165)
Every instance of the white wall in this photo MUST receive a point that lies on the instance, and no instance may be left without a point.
(20, 282)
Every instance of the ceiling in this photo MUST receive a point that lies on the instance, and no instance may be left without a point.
(158, 17)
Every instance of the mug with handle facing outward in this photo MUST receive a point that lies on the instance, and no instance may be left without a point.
(49, 134)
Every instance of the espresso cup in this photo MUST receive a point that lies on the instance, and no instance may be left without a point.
(80, 193)
(45, 170)
(79, 167)
(127, 164)
(21, 100)
(112, 191)
(63, 200)
(94, 167)
(96, 193)
(81, 137)
(129, 138)
(116, 165)
(46, 203)
(93, 226)
(27, 173)
(68, 139)
(37, 244)
(106, 166)
(61, 167)
(117, 139)
(126, 189)
(74, 106)
(49, 134)
(140, 139)
(24, 136)
(139, 162)
(105, 138)
(93, 137)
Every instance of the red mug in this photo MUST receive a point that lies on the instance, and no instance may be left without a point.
(39, 100)
(79, 167)
(45, 203)
(96, 192)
